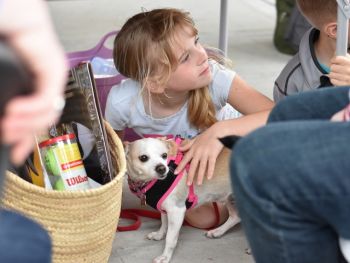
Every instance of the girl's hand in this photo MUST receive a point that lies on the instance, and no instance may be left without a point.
(340, 70)
(202, 152)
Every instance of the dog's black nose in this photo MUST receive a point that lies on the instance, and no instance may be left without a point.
(161, 169)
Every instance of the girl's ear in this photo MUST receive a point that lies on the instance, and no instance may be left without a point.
(153, 86)
(126, 145)
(331, 30)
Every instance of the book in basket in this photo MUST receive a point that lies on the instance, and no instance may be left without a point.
(83, 113)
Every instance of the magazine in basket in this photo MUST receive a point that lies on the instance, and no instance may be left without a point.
(82, 111)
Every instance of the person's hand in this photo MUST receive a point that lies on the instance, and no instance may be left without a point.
(340, 70)
(31, 34)
(202, 152)
(339, 116)
(343, 115)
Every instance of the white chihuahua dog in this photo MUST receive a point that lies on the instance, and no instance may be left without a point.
(147, 166)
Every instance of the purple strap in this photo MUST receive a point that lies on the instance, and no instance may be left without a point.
(100, 50)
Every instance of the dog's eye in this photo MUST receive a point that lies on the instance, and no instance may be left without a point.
(143, 158)
(164, 156)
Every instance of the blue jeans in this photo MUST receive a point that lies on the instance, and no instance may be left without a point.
(291, 180)
(22, 240)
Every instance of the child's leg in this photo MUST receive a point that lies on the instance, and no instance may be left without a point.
(206, 216)
(292, 189)
(317, 104)
(23, 240)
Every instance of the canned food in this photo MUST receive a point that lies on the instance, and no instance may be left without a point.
(63, 163)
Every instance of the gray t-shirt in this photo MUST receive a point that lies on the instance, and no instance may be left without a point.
(303, 72)
(125, 107)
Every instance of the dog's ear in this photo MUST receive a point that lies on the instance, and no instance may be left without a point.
(172, 146)
(229, 141)
(126, 145)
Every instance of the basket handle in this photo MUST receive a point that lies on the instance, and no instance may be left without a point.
(101, 44)
(74, 58)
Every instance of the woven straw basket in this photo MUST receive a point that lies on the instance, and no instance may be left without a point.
(82, 224)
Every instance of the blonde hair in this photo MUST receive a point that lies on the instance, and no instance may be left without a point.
(319, 12)
(143, 48)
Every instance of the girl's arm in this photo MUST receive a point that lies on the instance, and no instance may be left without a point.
(246, 99)
(203, 150)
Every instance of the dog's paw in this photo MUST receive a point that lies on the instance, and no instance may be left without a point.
(161, 259)
(215, 233)
(156, 236)
(248, 251)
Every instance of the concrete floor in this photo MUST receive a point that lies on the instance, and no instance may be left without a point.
(81, 23)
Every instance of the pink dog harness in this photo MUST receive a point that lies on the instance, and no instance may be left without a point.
(156, 191)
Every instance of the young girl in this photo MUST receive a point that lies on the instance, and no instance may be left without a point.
(173, 87)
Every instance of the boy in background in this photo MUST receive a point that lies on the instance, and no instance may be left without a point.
(315, 65)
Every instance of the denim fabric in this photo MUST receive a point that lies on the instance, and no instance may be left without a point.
(291, 181)
(22, 240)
(319, 104)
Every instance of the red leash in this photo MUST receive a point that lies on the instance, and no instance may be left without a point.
(134, 214)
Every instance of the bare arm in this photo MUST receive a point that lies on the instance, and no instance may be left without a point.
(246, 99)
(204, 149)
